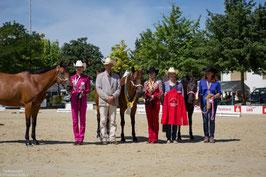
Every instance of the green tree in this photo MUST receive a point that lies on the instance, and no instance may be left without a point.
(19, 48)
(176, 41)
(237, 38)
(51, 52)
(81, 50)
(120, 53)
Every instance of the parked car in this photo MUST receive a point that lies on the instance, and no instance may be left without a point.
(258, 95)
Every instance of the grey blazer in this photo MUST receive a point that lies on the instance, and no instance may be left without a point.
(106, 88)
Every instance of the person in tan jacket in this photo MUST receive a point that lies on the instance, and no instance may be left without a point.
(108, 88)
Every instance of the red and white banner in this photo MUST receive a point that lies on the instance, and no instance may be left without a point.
(251, 109)
(237, 109)
(222, 109)
(264, 109)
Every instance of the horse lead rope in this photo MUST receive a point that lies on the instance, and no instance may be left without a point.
(212, 105)
(194, 93)
(129, 104)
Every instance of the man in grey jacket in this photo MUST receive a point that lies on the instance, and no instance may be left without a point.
(108, 88)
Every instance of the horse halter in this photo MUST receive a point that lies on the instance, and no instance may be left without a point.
(138, 85)
(194, 93)
(135, 85)
(63, 80)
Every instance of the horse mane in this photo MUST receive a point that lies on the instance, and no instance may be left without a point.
(43, 70)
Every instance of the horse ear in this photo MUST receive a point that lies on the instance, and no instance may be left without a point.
(61, 63)
(68, 64)
(133, 69)
(89, 63)
(141, 70)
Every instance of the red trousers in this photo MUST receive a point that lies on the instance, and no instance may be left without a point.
(153, 121)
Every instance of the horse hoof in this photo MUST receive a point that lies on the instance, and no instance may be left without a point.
(123, 140)
(28, 144)
(179, 139)
(35, 142)
(192, 138)
(135, 140)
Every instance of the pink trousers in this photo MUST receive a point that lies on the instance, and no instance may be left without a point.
(79, 116)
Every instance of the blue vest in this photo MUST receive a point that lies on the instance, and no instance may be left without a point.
(178, 87)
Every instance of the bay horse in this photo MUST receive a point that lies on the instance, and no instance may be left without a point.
(190, 89)
(28, 89)
(131, 90)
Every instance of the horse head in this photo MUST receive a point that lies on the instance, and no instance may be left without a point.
(62, 76)
(136, 80)
(191, 89)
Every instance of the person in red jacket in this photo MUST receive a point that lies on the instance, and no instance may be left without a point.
(171, 130)
(153, 90)
(174, 109)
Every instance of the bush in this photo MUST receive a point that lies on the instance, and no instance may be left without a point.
(90, 96)
(56, 100)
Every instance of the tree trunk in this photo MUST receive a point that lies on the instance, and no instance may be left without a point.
(243, 89)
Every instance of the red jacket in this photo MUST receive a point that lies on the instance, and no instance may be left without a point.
(174, 109)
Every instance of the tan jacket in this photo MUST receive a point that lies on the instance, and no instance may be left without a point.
(106, 89)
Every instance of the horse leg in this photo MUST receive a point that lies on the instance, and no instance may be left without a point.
(179, 133)
(28, 117)
(132, 115)
(122, 125)
(190, 125)
(35, 112)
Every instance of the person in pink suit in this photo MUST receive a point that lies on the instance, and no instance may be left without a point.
(81, 87)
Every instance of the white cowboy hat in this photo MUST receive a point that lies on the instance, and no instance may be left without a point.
(79, 63)
(171, 70)
(109, 61)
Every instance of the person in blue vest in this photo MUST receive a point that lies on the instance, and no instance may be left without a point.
(171, 130)
(209, 93)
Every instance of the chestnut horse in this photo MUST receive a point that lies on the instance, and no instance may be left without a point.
(190, 90)
(28, 89)
(131, 90)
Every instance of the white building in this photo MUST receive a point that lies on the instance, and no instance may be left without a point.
(253, 81)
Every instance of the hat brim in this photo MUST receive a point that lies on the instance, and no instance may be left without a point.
(84, 66)
(113, 63)
(211, 70)
(167, 72)
(156, 72)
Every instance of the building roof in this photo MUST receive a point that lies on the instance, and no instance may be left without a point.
(232, 86)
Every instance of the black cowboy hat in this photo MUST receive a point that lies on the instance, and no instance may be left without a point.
(210, 69)
(152, 69)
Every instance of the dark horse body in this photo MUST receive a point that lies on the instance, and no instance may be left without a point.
(28, 89)
(190, 89)
(131, 89)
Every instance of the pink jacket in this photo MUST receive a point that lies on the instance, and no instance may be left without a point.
(81, 83)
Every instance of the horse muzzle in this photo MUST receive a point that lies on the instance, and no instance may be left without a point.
(68, 87)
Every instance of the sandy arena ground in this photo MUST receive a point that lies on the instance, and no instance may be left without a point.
(240, 149)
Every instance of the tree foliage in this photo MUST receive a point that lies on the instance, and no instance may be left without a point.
(19, 51)
(237, 38)
(81, 50)
(120, 53)
(51, 52)
(176, 41)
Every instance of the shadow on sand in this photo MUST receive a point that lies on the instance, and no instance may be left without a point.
(141, 139)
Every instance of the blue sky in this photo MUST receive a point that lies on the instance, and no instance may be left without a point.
(104, 22)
